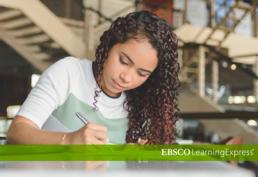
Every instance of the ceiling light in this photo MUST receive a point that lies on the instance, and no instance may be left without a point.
(251, 99)
(224, 64)
(233, 67)
(230, 99)
(252, 123)
(239, 99)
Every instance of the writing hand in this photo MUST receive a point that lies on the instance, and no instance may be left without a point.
(89, 134)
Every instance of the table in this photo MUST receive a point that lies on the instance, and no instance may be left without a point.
(122, 169)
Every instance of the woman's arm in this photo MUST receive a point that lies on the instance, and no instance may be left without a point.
(24, 131)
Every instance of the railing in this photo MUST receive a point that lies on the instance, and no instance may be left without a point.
(207, 88)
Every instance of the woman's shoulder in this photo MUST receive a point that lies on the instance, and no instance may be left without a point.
(71, 64)
(72, 61)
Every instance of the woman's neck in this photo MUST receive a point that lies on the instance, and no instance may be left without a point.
(100, 82)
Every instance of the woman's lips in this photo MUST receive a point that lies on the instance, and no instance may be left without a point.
(117, 86)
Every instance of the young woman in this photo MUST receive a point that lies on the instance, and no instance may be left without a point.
(129, 93)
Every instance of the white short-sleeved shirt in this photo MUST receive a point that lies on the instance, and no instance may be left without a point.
(67, 87)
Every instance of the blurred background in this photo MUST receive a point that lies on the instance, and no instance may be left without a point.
(218, 54)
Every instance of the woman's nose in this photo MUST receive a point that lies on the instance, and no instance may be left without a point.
(126, 76)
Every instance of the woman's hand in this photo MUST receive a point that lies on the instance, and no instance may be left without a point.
(142, 141)
(89, 134)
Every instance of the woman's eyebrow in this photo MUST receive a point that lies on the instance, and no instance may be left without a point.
(131, 61)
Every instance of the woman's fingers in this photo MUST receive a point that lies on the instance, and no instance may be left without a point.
(96, 141)
(95, 134)
(142, 141)
(98, 127)
(89, 134)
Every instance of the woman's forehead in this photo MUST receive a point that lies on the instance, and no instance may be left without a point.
(140, 52)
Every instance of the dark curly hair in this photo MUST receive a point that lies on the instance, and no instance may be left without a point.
(152, 107)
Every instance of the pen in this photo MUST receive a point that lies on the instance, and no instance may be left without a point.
(85, 121)
(82, 118)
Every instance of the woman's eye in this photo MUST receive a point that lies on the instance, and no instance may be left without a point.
(143, 75)
(122, 61)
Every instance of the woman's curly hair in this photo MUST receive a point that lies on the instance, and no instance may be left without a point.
(152, 107)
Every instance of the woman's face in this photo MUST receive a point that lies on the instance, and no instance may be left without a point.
(128, 66)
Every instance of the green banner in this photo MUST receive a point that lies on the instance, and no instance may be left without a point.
(128, 152)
